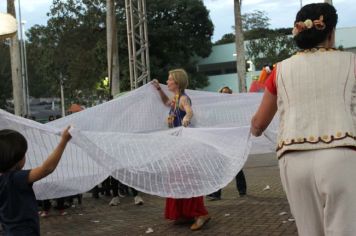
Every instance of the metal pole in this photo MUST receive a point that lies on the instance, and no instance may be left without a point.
(61, 81)
(301, 3)
(22, 63)
(128, 6)
(26, 72)
(133, 41)
(16, 73)
(146, 43)
(109, 42)
(136, 21)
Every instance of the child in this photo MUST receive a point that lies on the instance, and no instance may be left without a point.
(18, 207)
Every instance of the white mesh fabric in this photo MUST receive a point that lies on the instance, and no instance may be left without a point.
(128, 138)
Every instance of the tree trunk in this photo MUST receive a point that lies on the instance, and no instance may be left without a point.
(112, 48)
(240, 49)
(16, 73)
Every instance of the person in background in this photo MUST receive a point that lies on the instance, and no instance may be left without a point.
(121, 190)
(188, 209)
(240, 177)
(314, 93)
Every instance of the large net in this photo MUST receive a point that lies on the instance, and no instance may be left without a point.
(128, 138)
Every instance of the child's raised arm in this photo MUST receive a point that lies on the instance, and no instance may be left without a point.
(50, 164)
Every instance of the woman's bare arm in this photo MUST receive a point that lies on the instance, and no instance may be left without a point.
(264, 114)
(163, 96)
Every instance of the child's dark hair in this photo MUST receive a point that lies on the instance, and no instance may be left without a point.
(13, 147)
(310, 38)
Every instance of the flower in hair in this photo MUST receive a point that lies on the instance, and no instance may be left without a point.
(308, 23)
(298, 27)
(319, 24)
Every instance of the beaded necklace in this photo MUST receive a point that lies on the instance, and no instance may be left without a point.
(172, 113)
(176, 101)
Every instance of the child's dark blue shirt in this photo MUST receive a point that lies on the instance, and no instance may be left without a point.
(18, 206)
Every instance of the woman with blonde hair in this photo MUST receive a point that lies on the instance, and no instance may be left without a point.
(190, 209)
(314, 92)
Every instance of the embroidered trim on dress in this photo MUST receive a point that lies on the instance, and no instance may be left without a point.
(316, 49)
(314, 140)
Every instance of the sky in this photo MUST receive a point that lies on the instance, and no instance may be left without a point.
(280, 12)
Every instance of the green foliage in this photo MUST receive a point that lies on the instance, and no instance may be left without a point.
(5, 74)
(266, 46)
(226, 38)
(266, 33)
(270, 50)
(255, 20)
(178, 30)
(73, 44)
(269, 46)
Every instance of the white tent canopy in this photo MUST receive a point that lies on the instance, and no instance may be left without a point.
(8, 25)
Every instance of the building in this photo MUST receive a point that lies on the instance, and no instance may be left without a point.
(220, 65)
(346, 38)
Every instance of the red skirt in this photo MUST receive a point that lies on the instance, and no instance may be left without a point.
(185, 208)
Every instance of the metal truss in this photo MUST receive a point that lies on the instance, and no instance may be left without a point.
(137, 37)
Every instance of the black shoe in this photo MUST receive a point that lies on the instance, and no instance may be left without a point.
(213, 198)
(243, 194)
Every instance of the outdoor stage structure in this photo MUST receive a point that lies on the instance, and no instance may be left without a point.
(137, 37)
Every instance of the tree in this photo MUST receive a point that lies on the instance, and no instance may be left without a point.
(271, 49)
(73, 43)
(112, 48)
(226, 38)
(265, 33)
(5, 75)
(17, 92)
(178, 30)
(240, 49)
(264, 46)
(255, 20)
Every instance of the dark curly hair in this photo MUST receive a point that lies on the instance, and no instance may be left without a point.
(310, 38)
(13, 147)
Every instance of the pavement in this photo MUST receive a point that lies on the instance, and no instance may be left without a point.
(264, 211)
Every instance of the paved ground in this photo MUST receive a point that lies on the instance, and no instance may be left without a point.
(262, 212)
